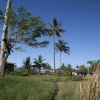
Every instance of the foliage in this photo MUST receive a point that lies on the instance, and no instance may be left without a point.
(27, 63)
(55, 28)
(20, 28)
(58, 72)
(54, 31)
(23, 28)
(39, 62)
(62, 46)
(83, 69)
(46, 65)
(23, 72)
(66, 70)
(93, 65)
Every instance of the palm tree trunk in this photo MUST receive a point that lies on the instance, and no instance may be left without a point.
(54, 57)
(39, 70)
(4, 36)
(61, 64)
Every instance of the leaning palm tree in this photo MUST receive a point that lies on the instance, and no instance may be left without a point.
(39, 62)
(55, 31)
(62, 47)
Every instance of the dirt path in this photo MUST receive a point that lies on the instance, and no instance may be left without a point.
(55, 92)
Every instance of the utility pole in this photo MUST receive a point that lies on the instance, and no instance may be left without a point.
(4, 36)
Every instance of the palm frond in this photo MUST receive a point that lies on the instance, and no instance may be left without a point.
(1, 13)
(50, 25)
(51, 34)
(62, 47)
(61, 31)
(54, 22)
(58, 34)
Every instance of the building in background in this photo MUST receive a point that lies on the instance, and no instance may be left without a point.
(10, 66)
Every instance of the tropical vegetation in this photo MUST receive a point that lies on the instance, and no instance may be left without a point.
(23, 28)
(61, 46)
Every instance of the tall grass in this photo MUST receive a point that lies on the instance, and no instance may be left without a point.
(66, 90)
(89, 90)
(25, 88)
(49, 88)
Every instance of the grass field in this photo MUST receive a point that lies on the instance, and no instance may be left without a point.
(38, 88)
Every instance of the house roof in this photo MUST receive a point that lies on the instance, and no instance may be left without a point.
(10, 63)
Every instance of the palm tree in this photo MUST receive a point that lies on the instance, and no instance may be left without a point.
(93, 65)
(27, 63)
(62, 47)
(39, 62)
(46, 65)
(55, 31)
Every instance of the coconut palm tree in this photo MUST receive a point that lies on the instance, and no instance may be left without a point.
(27, 63)
(46, 65)
(55, 31)
(39, 62)
(62, 47)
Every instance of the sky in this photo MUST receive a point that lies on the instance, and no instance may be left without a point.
(81, 20)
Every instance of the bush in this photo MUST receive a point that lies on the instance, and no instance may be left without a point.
(47, 72)
(20, 73)
(77, 78)
(74, 78)
(30, 72)
(58, 73)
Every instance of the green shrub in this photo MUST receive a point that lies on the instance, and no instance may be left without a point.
(58, 73)
(23, 72)
(77, 78)
(30, 72)
(74, 78)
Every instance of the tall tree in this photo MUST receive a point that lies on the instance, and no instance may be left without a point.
(55, 31)
(39, 62)
(4, 37)
(62, 47)
(23, 28)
